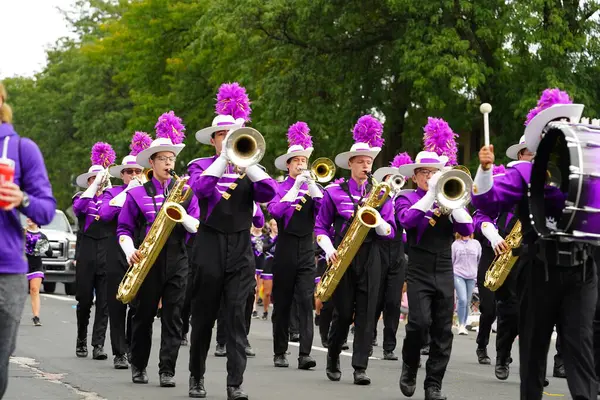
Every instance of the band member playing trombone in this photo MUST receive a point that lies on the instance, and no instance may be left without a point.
(166, 280)
(112, 200)
(558, 289)
(294, 208)
(223, 255)
(92, 248)
(355, 297)
(430, 275)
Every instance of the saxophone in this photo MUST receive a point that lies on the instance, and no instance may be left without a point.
(503, 263)
(169, 214)
(367, 217)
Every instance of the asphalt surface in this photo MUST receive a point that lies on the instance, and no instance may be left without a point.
(45, 367)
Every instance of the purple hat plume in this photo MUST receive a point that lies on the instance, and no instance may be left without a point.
(440, 139)
(169, 126)
(401, 159)
(498, 169)
(299, 134)
(139, 142)
(233, 100)
(103, 154)
(549, 98)
(369, 130)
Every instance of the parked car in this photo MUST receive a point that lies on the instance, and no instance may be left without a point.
(61, 266)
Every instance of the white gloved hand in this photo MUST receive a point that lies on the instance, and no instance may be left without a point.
(256, 173)
(291, 195)
(190, 223)
(133, 184)
(383, 229)
(217, 168)
(461, 216)
(314, 191)
(425, 203)
(127, 245)
(300, 179)
(432, 182)
(325, 243)
(491, 234)
(90, 192)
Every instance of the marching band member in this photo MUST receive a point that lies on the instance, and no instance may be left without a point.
(92, 249)
(392, 270)
(112, 200)
(562, 292)
(166, 280)
(295, 208)
(430, 275)
(225, 265)
(357, 291)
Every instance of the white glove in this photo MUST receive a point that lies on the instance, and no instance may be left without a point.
(491, 233)
(217, 168)
(426, 202)
(119, 199)
(90, 192)
(256, 173)
(461, 216)
(291, 195)
(300, 179)
(133, 184)
(432, 182)
(314, 191)
(484, 180)
(190, 223)
(383, 229)
(325, 243)
(127, 245)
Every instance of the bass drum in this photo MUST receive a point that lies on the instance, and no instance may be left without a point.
(564, 193)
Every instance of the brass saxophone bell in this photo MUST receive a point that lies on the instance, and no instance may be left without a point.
(245, 147)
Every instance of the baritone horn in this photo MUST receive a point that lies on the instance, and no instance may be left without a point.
(454, 188)
(245, 147)
(397, 182)
(322, 169)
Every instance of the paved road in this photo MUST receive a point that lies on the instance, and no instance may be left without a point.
(45, 367)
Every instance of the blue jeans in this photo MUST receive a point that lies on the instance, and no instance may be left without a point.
(464, 292)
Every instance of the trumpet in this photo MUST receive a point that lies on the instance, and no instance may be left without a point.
(245, 147)
(321, 170)
(105, 179)
(397, 182)
(454, 189)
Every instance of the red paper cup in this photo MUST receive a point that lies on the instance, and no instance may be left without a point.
(7, 174)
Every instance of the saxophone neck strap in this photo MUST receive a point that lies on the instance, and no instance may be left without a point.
(151, 191)
(346, 188)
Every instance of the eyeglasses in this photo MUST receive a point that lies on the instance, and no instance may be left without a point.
(164, 159)
(426, 172)
(131, 171)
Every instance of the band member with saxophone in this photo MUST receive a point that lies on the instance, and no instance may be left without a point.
(225, 264)
(130, 173)
(295, 208)
(355, 297)
(392, 265)
(92, 247)
(430, 274)
(557, 289)
(167, 277)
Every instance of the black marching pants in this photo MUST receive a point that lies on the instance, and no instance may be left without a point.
(120, 318)
(225, 269)
(430, 290)
(187, 303)
(90, 278)
(166, 279)
(356, 296)
(566, 297)
(293, 277)
(295, 318)
(487, 299)
(507, 309)
(221, 329)
(325, 320)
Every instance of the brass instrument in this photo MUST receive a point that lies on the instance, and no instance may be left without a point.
(169, 214)
(503, 263)
(454, 189)
(367, 217)
(245, 147)
(105, 178)
(321, 170)
(397, 182)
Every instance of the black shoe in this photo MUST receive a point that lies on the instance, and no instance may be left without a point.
(98, 353)
(324, 343)
(197, 388)
(361, 377)
(425, 350)
(433, 393)
(389, 355)
(264, 317)
(317, 320)
(220, 351)
(36, 321)
(345, 346)
(333, 368)
(502, 369)
(294, 337)
(482, 356)
(408, 380)
(547, 382)
(81, 348)
(138, 376)
(167, 379)
(120, 362)
(559, 371)
(306, 362)
(280, 360)
(236, 393)
(184, 342)
(249, 351)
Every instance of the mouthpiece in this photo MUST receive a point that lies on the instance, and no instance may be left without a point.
(173, 174)
(485, 108)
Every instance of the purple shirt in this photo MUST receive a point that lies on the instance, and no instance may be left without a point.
(285, 210)
(412, 218)
(138, 201)
(88, 207)
(465, 258)
(211, 188)
(258, 219)
(36, 244)
(107, 211)
(337, 202)
(33, 180)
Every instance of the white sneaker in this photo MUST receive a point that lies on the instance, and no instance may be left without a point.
(462, 330)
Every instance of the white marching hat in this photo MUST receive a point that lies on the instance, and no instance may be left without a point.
(293, 151)
(158, 145)
(83, 178)
(128, 162)
(219, 123)
(533, 130)
(357, 149)
(513, 151)
(382, 172)
(425, 159)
